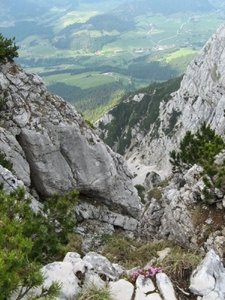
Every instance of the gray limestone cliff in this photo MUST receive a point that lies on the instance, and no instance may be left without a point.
(53, 150)
(201, 97)
(175, 209)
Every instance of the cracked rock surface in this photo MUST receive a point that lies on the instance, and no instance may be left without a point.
(55, 150)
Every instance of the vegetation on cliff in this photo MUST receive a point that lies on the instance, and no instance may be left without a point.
(201, 148)
(144, 114)
(8, 49)
(28, 240)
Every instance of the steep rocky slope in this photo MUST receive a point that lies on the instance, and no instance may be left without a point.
(152, 123)
(201, 97)
(53, 150)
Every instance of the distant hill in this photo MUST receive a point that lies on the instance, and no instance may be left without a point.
(100, 50)
(129, 10)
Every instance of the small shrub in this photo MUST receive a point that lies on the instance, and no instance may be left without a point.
(75, 243)
(8, 49)
(155, 193)
(180, 263)
(4, 162)
(131, 253)
(201, 148)
(164, 183)
(91, 141)
(52, 231)
(18, 273)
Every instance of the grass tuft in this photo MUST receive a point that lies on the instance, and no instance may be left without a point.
(92, 292)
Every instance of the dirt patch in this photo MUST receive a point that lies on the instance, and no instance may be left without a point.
(207, 219)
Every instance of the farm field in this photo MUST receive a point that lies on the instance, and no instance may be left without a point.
(111, 46)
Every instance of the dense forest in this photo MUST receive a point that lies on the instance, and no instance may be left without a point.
(84, 41)
(145, 113)
(93, 100)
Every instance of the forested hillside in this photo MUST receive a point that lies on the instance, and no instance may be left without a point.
(139, 113)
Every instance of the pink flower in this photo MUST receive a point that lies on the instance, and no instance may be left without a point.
(154, 270)
(147, 274)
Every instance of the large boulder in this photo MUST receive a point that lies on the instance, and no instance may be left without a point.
(52, 146)
(208, 280)
(62, 272)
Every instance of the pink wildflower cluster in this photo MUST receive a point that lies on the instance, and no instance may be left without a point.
(149, 272)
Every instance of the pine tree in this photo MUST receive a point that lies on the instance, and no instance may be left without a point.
(8, 49)
(28, 240)
(201, 148)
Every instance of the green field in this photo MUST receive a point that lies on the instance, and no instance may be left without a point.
(79, 51)
(180, 53)
(84, 81)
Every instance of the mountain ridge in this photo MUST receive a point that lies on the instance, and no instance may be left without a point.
(199, 98)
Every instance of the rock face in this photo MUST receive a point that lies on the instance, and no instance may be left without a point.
(155, 126)
(52, 147)
(208, 280)
(201, 97)
(180, 215)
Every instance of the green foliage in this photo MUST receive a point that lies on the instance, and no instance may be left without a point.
(151, 70)
(110, 22)
(50, 231)
(90, 124)
(18, 273)
(201, 148)
(93, 101)
(155, 193)
(92, 292)
(25, 28)
(4, 162)
(131, 253)
(28, 240)
(8, 49)
(146, 112)
(180, 263)
(83, 41)
(75, 243)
